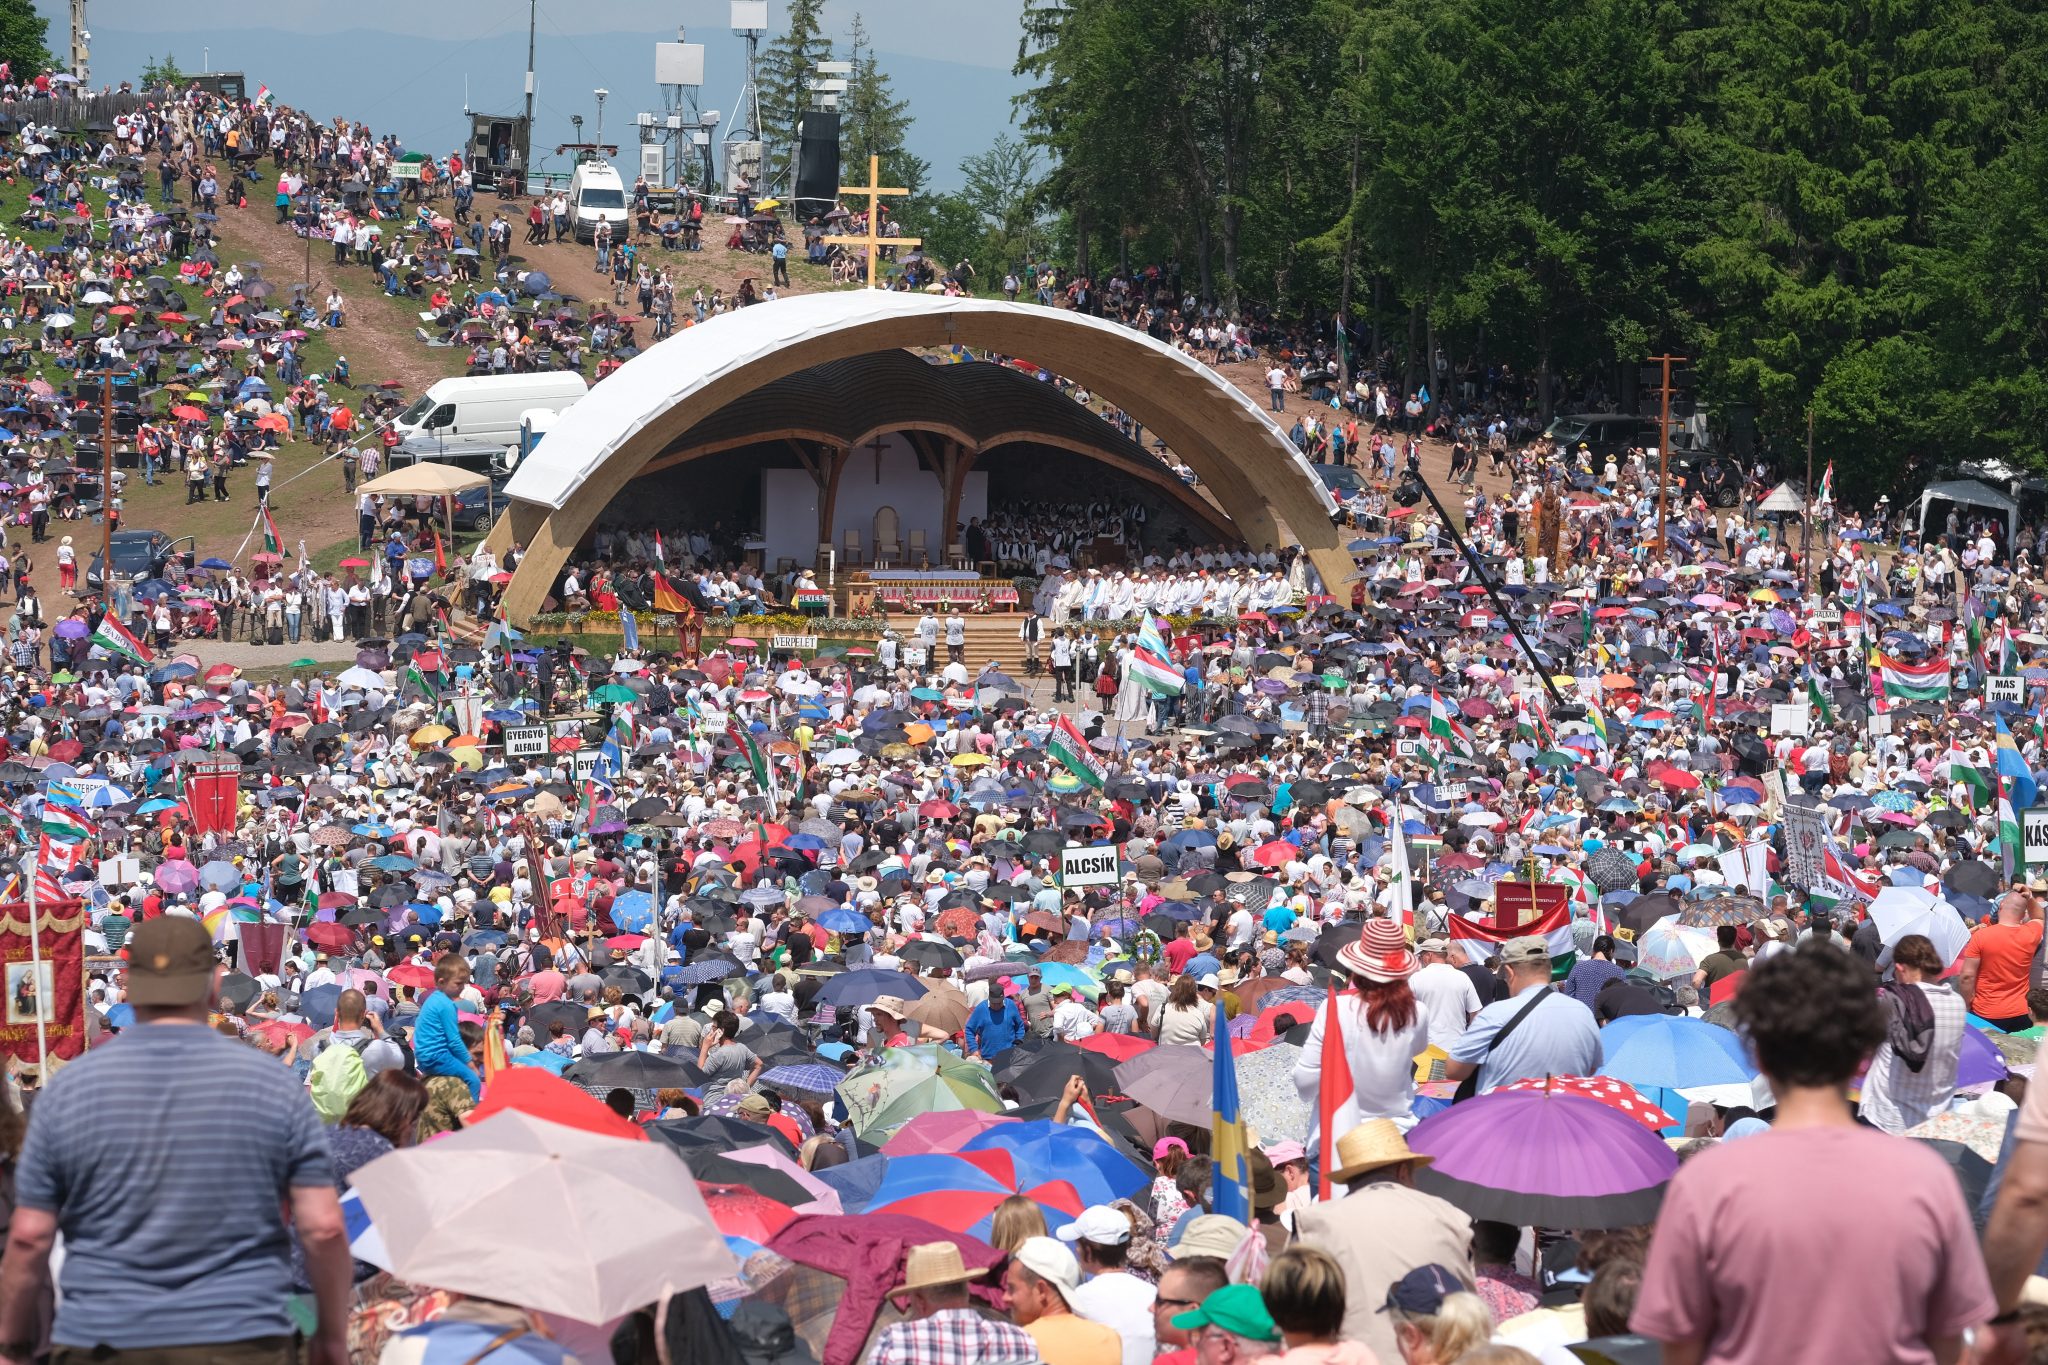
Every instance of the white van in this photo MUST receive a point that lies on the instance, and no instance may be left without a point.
(596, 194)
(484, 409)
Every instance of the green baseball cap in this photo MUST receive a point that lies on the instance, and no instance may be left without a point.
(1237, 1309)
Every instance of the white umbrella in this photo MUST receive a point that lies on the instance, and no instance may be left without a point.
(1902, 910)
(98, 296)
(358, 676)
(842, 758)
(545, 1216)
(59, 320)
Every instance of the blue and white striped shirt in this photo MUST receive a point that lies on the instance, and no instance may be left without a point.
(167, 1155)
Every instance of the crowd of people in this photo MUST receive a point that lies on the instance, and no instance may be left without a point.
(1629, 953)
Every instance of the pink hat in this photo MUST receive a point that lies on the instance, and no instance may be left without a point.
(1168, 1144)
(1280, 1153)
(1381, 953)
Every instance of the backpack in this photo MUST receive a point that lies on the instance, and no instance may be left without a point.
(338, 1076)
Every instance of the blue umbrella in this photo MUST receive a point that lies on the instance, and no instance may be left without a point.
(844, 921)
(393, 862)
(633, 911)
(317, 1005)
(121, 1016)
(215, 563)
(814, 1077)
(1671, 1052)
(552, 1062)
(849, 990)
(1043, 1150)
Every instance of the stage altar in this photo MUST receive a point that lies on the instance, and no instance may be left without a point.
(913, 590)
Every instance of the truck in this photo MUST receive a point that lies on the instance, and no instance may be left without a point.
(597, 195)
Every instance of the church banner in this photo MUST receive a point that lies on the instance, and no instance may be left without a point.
(213, 793)
(56, 992)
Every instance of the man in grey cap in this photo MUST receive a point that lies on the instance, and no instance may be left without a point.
(1534, 1032)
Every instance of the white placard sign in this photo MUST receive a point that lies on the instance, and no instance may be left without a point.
(792, 642)
(1791, 717)
(526, 741)
(1880, 723)
(1082, 865)
(2006, 687)
(2034, 836)
(1407, 748)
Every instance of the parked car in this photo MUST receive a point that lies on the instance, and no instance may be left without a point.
(1603, 433)
(138, 554)
(476, 508)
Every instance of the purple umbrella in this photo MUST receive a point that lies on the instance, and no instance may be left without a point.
(176, 876)
(1538, 1158)
(71, 628)
(1981, 1062)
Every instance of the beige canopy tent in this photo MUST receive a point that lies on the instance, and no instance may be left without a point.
(424, 480)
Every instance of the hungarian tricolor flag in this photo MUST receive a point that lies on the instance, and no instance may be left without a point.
(273, 543)
(1067, 745)
(744, 742)
(116, 638)
(1152, 663)
(1896, 680)
(1481, 940)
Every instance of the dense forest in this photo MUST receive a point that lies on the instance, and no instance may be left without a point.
(1830, 205)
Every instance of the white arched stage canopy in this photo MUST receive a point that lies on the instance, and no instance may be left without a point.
(639, 412)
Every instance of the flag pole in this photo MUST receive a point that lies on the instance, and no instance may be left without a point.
(35, 957)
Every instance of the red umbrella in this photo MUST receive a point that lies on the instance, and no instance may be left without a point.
(938, 810)
(186, 412)
(1279, 853)
(412, 974)
(531, 1090)
(625, 942)
(64, 750)
(741, 1212)
(1119, 1047)
(339, 938)
(941, 1131)
(354, 563)
(337, 900)
(279, 1031)
(1616, 1095)
(1280, 1018)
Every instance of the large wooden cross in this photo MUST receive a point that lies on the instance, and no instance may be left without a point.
(873, 241)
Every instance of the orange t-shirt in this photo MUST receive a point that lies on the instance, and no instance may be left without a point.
(2005, 956)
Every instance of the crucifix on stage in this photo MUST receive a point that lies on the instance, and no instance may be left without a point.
(873, 241)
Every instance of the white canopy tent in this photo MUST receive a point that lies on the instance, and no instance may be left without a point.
(1966, 494)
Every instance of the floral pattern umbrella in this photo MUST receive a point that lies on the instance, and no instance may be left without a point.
(1272, 1107)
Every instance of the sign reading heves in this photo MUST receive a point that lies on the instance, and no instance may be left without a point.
(1083, 865)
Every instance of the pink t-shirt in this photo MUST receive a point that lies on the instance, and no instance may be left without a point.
(1819, 1244)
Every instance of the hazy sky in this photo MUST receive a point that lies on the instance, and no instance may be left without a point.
(401, 64)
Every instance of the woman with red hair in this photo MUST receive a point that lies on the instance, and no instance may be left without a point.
(1380, 1025)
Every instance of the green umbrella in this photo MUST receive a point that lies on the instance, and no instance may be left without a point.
(908, 1081)
(613, 692)
(305, 663)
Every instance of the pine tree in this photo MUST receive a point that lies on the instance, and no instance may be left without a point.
(873, 122)
(786, 68)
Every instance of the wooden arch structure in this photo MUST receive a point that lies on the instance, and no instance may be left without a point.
(688, 394)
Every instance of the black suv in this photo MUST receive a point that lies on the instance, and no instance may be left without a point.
(1604, 433)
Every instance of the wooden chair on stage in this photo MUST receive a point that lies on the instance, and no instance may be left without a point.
(920, 551)
(888, 541)
(850, 554)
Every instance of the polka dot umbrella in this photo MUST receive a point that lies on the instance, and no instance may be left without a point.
(1616, 1095)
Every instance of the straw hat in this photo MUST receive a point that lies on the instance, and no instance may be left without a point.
(931, 1265)
(1371, 1145)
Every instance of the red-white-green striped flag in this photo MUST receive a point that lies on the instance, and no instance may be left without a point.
(744, 742)
(116, 638)
(1067, 745)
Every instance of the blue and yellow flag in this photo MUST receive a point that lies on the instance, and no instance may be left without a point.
(1231, 1180)
(2013, 771)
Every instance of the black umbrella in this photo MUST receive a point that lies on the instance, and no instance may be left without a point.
(1642, 912)
(1332, 939)
(927, 955)
(572, 1016)
(713, 1167)
(1972, 878)
(1044, 1076)
(635, 1071)
(719, 1133)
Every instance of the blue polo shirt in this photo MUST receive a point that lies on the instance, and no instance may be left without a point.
(1559, 1038)
(169, 1198)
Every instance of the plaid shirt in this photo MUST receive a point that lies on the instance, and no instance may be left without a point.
(1895, 1097)
(955, 1336)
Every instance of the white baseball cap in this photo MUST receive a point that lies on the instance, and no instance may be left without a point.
(1052, 1262)
(1098, 1223)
